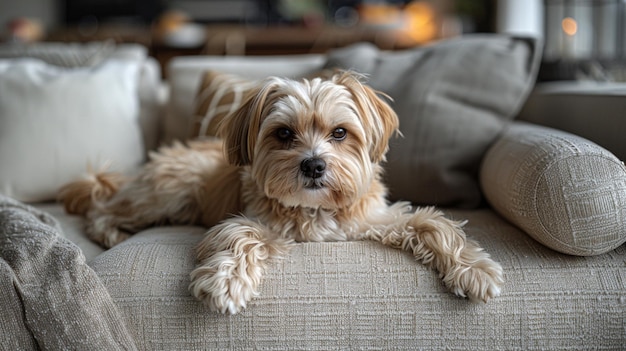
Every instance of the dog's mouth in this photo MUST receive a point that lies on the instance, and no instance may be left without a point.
(314, 184)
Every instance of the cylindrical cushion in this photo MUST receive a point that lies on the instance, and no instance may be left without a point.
(563, 190)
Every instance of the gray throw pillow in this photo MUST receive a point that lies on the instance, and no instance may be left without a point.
(453, 99)
(54, 297)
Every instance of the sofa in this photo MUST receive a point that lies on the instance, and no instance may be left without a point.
(549, 205)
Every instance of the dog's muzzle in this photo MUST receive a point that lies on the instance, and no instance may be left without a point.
(313, 167)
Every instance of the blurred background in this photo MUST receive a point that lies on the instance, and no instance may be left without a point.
(581, 37)
(189, 23)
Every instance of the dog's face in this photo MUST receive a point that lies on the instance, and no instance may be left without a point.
(312, 143)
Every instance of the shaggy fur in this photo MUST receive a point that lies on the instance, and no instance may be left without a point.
(299, 161)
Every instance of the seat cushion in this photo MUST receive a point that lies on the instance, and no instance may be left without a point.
(356, 295)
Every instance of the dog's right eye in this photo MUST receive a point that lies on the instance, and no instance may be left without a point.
(284, 134)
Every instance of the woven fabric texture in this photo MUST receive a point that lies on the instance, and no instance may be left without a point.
(50, 298)
(566, 192)
(360, 295)
(15, 333)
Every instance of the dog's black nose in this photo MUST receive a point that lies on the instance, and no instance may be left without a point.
(313, 167)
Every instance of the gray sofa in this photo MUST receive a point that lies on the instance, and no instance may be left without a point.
(548, 205)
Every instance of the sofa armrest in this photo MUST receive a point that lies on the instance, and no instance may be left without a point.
(563, 190)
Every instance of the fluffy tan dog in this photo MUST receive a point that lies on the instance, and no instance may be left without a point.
(299, 161)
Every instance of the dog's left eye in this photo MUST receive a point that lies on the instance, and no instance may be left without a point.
(284, 134)
(339, 134)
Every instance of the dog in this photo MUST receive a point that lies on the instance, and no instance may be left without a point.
(299, 161)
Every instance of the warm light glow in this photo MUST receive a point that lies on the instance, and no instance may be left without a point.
(569, 25)
(421, 21)
(379, 14)
(413, 23)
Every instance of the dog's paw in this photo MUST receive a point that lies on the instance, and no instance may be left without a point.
(479, 282)
(221, 293)
(102, 231)
(109, 238)
(222, 286)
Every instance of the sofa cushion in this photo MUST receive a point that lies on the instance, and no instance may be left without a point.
(566, 192)
(453, 98)
(55, 122)
(361, 295)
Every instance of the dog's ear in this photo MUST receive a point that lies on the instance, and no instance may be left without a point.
(379, 119)
(240, 129)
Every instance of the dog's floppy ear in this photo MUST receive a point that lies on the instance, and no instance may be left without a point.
(379, 119)
(240, 129)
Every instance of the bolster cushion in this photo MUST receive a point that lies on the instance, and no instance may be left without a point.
(563, 190)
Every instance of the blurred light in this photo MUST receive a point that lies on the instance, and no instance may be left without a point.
(421, 21)
(569, 25)
(380, 14)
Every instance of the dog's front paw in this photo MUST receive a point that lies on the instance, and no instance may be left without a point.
(222, 284)
(480, 281)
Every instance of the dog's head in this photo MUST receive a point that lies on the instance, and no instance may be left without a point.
(311, 143)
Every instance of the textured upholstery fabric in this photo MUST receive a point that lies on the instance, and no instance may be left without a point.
(15, 333)
(360, 295)
(50, 297)
(72, 228)
(566, 192)
(55, 122)
(452, 98)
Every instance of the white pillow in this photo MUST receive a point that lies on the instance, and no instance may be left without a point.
(55, 122)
